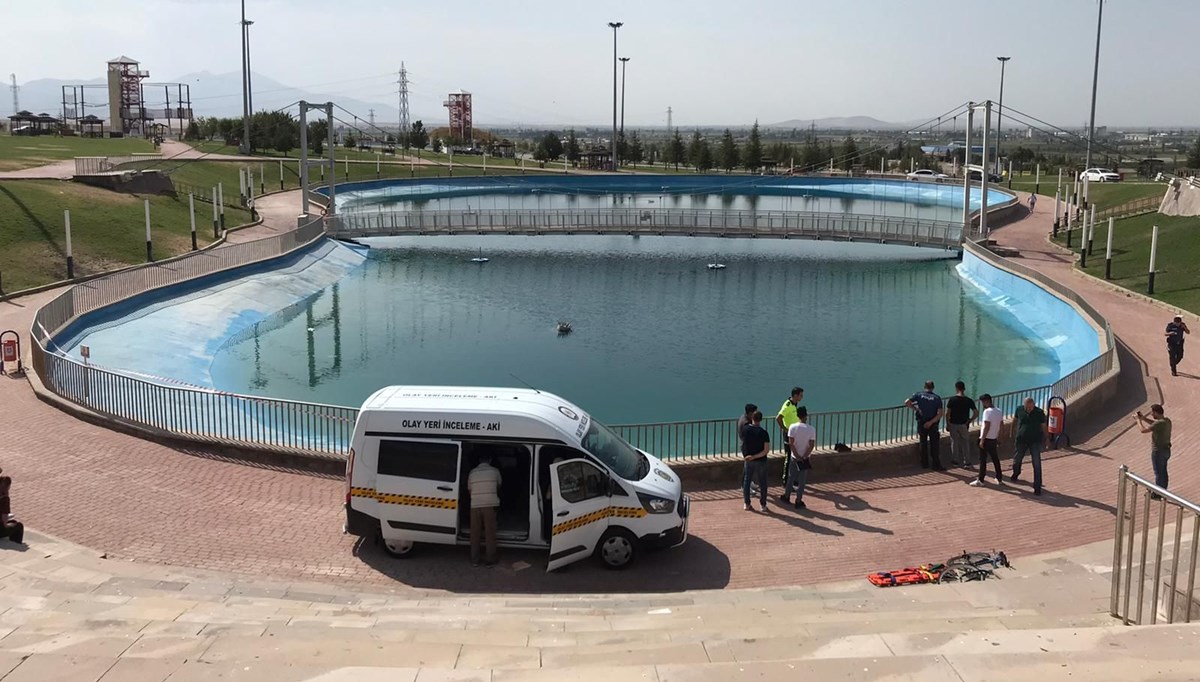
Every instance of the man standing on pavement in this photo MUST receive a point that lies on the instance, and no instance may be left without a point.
(1159, 428)
(928, 407)
(483, 483)
(785, 419)
(802, 439)
(1029, 432)
(988, 435)
(1175, 331)
(756, 445)
(960, 414)
(751, 408)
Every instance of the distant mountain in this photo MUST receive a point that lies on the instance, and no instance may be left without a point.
(840, 123)
(45, 96)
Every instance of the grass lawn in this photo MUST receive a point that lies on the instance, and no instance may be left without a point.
(1178, 278)
(107, 229)
(17, 152)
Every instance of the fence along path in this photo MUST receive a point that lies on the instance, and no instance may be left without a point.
(164, 404)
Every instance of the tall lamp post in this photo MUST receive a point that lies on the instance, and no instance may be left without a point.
(614, 25)
(244, 147)
(1087, 163)
(1000, 111)
(624, 60)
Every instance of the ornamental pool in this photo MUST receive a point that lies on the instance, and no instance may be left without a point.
(657, 335)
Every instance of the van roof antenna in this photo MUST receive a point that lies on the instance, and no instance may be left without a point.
(527, 384)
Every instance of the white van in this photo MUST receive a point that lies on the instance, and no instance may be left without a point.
(569, 483)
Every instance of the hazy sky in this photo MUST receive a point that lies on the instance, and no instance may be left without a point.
(714, 62)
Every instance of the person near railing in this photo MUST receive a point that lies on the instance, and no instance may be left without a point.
(989, 435)
(802, 439)
(756, 445)
(746, 417)
(1176, 329)
(9, 527)
(929, 410)
(784, 419)
(1159, 427)
(960, 414)
(1029, 433)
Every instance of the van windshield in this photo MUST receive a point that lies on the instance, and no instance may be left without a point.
(611, 449)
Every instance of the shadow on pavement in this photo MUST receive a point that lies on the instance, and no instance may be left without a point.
(697, 565)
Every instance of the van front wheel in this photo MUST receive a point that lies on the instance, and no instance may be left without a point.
(398, 549)
(617, 549)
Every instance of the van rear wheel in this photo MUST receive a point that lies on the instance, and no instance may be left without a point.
(397, 549)
(617, 549)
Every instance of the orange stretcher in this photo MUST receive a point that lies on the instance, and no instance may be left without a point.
(926, 573)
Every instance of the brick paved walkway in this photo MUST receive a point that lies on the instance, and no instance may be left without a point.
(140, 501)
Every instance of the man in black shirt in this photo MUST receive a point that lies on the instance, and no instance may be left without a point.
(1175, 331)
(960, 414)
(756, 444)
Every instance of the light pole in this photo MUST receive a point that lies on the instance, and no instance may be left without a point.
(1000, 111)
(624, 60)
(614, 25)
(1087, 163)
(244, 147)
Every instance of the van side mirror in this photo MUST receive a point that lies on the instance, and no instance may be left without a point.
(612, 486)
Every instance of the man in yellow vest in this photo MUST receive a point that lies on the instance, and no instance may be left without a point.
(785, 419)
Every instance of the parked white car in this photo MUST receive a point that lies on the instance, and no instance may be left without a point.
(1100, 175)
(926, 174)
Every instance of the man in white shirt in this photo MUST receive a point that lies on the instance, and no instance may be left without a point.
(484, 485)
(988, 434)
(802, 438)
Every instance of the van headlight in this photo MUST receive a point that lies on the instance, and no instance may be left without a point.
(655, 504)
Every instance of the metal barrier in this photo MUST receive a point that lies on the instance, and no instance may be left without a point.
(91, 165)
(1131, 551)
(657, 221)
(1130, 208)
(160, 403)
(154, 402)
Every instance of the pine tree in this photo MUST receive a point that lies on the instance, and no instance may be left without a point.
(693, 152)
(728, 156)
(753, 152)
(677, 149)
(849, 153)
(1193, 159)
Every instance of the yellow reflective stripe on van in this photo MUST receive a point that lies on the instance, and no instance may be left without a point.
(405, 500)
(599, 515)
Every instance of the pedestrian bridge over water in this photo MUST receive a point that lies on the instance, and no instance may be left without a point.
(731, 223)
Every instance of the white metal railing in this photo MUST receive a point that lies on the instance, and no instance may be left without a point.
(657, 221)
(90, 165)
(1137, 500)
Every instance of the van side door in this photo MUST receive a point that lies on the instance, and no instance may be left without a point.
(417, 486)
(579, 498)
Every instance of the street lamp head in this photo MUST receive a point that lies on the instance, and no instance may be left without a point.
(615, 24)
(1003, 59)
(624, 59)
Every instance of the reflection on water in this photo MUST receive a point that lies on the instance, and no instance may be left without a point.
(658, 336)
(914, 207)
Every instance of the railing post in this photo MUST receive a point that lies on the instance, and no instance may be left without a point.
(149, 244)
(1118, 539)
(192, 216)
(70, 258)
(1153, 258)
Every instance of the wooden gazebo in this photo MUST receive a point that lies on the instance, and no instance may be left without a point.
(91, 126)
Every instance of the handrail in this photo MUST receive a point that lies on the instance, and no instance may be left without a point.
(690, 222)
(258, 421)
(1132, 490)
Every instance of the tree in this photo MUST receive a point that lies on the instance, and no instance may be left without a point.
(849, 153)
(318, 131)
(549, 148)
(417, 136)
(811, 158)
(728, 156)
(1193, 159)
(636, 152)
(348, 141)
(572, 146)
(752, 154)
(676, 150)
(193, 131)
(704, 157)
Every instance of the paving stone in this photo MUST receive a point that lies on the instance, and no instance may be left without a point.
(58, 667)
(628, 654)
(168, 646)
(482, 656)
(142, 670)
(631, 673)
